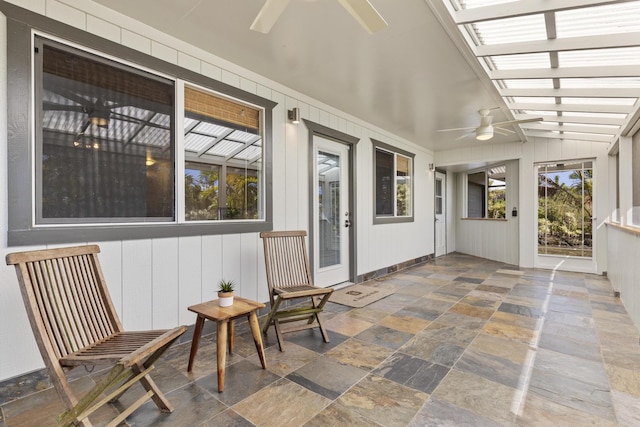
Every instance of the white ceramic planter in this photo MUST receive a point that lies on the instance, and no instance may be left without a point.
(225, 299)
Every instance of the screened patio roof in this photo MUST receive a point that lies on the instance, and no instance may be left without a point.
(574, 63)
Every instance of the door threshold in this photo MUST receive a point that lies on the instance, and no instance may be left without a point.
(342, 285)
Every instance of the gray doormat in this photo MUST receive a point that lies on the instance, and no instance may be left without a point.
(359, 295)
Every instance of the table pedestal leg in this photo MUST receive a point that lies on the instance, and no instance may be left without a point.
(195, 341)
(222, 352)
(231, 335)
(257, 337)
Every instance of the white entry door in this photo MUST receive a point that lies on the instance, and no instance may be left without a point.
(440, 215)
(331, 212)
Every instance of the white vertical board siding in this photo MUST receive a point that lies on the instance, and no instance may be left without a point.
(190, 280)
(211, 260)
(624, 269)
(164, 270)
(110, 257)
(278, 150)
(137, 284)
(291, 168)
(232, 261)
(249, 256)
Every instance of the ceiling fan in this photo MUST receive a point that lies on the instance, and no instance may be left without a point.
(487, 127)
(361, 10)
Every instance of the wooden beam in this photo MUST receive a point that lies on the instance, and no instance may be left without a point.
(602, 41)
(596, 92)
(582, 108)
(550, 126)
(569, 136)
(522, 8)
(576, 119)
(567, 72)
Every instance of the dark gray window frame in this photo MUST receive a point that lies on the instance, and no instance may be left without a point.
(21, 24)
(392, 219)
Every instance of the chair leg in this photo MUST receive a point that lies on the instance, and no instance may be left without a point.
(270, 317)
(276, 324)
(78, 413)
(323, 331)
(158, 397)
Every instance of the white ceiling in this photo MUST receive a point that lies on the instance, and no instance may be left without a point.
(412, 78)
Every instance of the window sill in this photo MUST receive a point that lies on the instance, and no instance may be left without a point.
(83, 234)
(392, 220)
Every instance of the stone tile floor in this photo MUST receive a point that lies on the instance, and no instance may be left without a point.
(462, 341)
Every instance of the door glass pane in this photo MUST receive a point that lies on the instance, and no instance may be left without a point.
(565, 202)
(438, 197)
(328, 208)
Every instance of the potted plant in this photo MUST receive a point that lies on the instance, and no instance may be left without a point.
(225, 293)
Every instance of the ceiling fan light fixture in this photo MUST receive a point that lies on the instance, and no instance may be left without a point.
(100, 117)
(484, 133)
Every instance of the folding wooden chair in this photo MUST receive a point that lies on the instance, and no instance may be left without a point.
(289, 279)
(75, 323)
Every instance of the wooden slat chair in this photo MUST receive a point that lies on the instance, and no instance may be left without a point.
(289, 279)
(75, 323)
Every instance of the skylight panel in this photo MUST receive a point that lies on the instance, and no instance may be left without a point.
(472, 4)
(195, 142)
(154, 137)
(600, 57)
(240, 136)
(523, 61)
(210, 129)
(528, 83)
(595, 114)
(540, 112)
(511, 30)
(599, 101)
(598, 20)
(224, 148)
(604, 82)
(248, 153)
(534, 99)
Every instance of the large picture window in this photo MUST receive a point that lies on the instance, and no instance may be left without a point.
(114, 156)
(565, 208)
(393, 184)
(105, 144)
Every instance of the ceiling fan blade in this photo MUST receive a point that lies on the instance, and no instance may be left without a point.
(51, 106)
(463, 136)
(365, 14)
(268, 15)
(515, 122)
(454, 129)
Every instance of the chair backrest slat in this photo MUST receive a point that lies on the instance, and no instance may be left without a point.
(286, 260)
(66, 298)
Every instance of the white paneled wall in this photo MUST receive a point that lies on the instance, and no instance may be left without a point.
(153, 281)
(527, 154)
(624, 268)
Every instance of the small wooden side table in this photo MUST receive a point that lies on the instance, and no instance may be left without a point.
(224, 317)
